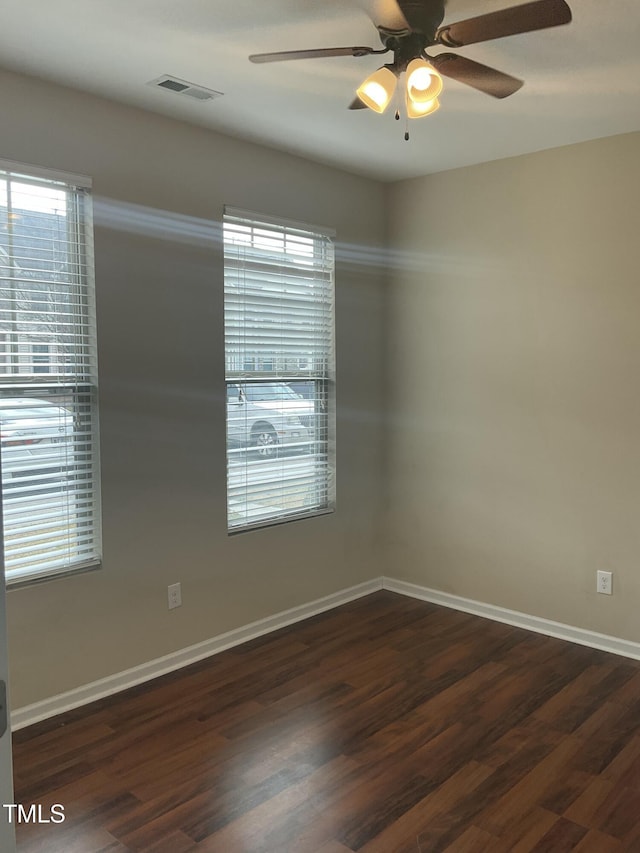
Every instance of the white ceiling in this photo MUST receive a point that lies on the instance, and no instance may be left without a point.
(582, 81)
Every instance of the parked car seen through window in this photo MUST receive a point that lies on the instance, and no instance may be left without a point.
(268, 417)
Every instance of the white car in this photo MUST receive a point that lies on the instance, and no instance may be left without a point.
(37, 446)
(268, 416)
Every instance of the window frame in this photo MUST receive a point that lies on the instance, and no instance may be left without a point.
(256, 369)
(54, 384)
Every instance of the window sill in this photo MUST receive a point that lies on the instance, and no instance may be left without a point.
(43, 577)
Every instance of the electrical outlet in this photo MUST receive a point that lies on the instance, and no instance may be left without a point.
(605, 581)
(175, 595)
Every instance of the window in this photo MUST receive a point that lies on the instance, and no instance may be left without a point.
(41, 358)
(48, 389)
(279, 319)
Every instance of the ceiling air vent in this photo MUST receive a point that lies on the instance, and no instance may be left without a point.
(182, 87)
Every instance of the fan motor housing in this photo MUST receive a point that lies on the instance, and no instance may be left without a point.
(423, 16)
(406, 47)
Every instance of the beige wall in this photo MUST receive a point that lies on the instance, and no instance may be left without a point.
(511, 346)
(160, 187)
(514, 359)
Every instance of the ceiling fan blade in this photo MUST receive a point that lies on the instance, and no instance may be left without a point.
(318, 53)
(422, 17)
(357, 104)
(481, 77)
(538, 15)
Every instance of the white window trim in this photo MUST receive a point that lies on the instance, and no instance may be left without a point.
(242, 213)
(16, 170)
(328, 379)
(29, 171)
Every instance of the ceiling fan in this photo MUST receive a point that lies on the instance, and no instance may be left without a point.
(423, 72)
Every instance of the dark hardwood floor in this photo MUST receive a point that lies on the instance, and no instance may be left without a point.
(388, 725)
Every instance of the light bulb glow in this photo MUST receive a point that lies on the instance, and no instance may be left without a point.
(377, 90)
(424, 84)
(421, 78)
(418, 110)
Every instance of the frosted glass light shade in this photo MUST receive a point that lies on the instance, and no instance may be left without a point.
(423, 82)
(418, 110)
(377, 90)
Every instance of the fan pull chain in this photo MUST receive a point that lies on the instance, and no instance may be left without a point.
(398, 98)
(402, 105)
(406, 124)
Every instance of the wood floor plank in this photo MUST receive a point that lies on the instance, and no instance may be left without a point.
(624, 769)
(597, 842)
(525, 831)
(333, 847)
(563, 835)
(530, 789)
(425, 823)
(572, 705)
(473, 840)
(174, 842)
(278, 823)
(587, 805)
(564, 789)
(387, 725)
(82, 840)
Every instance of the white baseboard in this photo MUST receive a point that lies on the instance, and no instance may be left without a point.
(30, 714)
(604, 642)
(55, 705)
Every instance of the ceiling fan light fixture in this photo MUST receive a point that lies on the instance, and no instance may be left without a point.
(415, 110)
(377, 90)
(424, 84)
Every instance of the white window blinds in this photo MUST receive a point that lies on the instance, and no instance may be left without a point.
(279, 345)
(48, 415)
